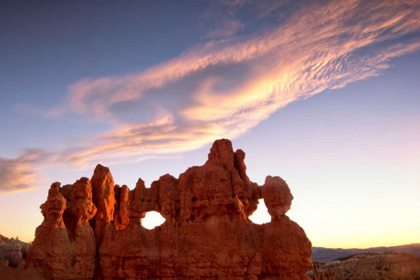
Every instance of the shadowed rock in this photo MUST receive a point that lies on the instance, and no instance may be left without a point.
(121, 218)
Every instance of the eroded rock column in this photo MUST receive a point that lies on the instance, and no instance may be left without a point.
(207, 233)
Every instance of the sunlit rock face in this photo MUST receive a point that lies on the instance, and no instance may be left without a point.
(207, 233)
(64, 245)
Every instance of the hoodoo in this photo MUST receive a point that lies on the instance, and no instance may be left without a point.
(92, 229)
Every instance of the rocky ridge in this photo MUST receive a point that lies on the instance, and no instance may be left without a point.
(324, 255)
(12, 251)
(92, 229)
(381, 266)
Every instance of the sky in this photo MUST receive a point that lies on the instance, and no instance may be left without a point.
(324, 94)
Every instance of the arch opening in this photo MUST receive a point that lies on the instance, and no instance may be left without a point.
(260, 216)
(152, 219)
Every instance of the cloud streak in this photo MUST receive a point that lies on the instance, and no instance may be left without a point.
(17, 175)
(321, 46)
(315, 39)
(225, 87)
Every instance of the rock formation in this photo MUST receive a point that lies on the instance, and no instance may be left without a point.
(207, 233)
(64, 245)
(12, 251)
(381, 266)
(104, 199)
(324, 255)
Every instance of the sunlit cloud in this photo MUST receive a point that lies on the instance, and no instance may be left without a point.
(225, 87)
(19, 174)
(309, 43)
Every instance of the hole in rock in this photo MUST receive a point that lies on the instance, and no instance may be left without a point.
(260, 216)
(152, 219)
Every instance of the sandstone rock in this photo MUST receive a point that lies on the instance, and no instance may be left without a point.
(383, 266)
(12, 251)
(104, 200)
(207, 233)
(50, 251)
(64, 245)
(277, 196)
(14, 255)
(121, 218)
(239, 157)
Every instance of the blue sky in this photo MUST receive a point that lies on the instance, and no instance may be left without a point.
(323, 94)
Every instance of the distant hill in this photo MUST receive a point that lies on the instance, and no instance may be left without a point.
(372, 266)
(4, 241)
(324, 255)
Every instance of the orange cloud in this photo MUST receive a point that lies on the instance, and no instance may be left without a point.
(316, 35)
(18, 174)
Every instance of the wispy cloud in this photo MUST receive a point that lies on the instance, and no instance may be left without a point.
(226, 28)
(20, 174)
(225, 87)
(315, 39)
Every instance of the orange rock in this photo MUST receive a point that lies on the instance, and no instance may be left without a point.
(207, 232)
(277, 196)
(104, 200)
(64, 245)
(121, 218)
